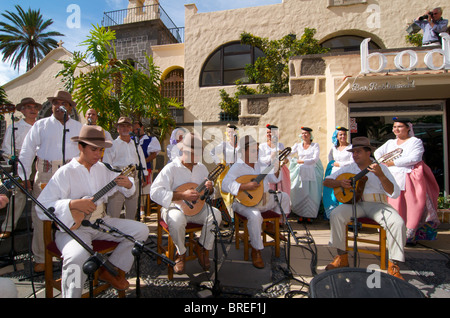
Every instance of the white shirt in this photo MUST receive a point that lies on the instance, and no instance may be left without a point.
(171, 177)
(240, 168)
(266, 153)
(310, 156)
(412, 153)
(342, 157)
(153, 146)
(122, 154)
(225, 152)
(373, 184)
(21, 130)
(75, 181)
(45, 140)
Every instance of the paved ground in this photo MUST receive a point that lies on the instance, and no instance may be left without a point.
(427, 267)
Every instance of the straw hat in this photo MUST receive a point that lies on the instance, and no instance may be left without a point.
(93, 135)
(359, 142)
(64, 96)
(124, 121)
(25, 101)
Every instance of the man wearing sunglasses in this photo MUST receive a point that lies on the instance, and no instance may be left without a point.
(432, 24)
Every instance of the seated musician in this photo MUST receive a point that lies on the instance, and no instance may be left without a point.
(70, 191)
(380, 184)
(249, 165)
(167, 190)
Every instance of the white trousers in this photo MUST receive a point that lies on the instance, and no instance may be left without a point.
(177, 221)
(253, 215)
(74, 255)
(382, 213)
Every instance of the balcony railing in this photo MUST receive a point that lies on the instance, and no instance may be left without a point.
(144, 13)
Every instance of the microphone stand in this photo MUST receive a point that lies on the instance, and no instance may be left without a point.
(216, 289)
(138, 249)
(287, 271)
(94, 262)
(355, 222)
(140, 176)
(10, 210)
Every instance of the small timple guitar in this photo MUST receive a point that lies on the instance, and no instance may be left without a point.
(79, 216)
(346, 195)
(253, 197)
(192, 208)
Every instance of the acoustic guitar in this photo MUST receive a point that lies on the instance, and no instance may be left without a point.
(191, 208)
(346, 195)
(253, 197)
(79, 216)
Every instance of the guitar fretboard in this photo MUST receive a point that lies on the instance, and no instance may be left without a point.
(104, 190)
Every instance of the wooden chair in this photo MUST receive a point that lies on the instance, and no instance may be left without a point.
(169, 250)
(381, 242)
(51, 250)
(268, 216)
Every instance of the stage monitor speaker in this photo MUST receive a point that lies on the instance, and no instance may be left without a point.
(360, 283)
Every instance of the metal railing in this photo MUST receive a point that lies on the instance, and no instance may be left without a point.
(144, 13)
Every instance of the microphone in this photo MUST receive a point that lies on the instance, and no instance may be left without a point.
(89, 121)
(89, 224)
(63, 109)
(273, 191)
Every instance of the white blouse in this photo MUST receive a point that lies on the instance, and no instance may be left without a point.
(342, 157)
(310, 157)
(412, 153)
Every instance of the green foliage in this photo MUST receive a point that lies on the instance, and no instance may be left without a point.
(3, 97)
(273, 68)
(271, 72)
(414, 39)
(230, 105)
(25, 37)
(443, 201)
(116, 88)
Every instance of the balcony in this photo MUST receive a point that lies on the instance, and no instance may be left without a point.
(140, 14)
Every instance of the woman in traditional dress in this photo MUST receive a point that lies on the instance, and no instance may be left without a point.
(306, 174)
(174, 147)
(417, 203)
(268, 154)
(227, 153)
(338, 157)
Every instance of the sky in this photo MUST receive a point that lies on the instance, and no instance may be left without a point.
(74, 18)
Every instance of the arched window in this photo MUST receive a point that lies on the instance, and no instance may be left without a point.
(227, 64)
(173, 85)
(346, 43)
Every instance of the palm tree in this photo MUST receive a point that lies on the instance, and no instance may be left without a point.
(25, 37)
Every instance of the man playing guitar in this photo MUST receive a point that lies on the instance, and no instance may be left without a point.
(249, 165)
(168, 191)
(70, 192)
(380, 184)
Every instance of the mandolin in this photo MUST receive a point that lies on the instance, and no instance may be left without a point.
(191, 208)
(79, 216)
(346, 195)
(253, 197)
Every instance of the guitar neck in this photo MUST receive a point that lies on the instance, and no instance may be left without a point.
(3, 189)
(263, 174)
(104, 190)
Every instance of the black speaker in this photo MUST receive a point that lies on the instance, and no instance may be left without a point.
(360, 283)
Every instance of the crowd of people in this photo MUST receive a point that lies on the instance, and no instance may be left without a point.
(64, 163)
